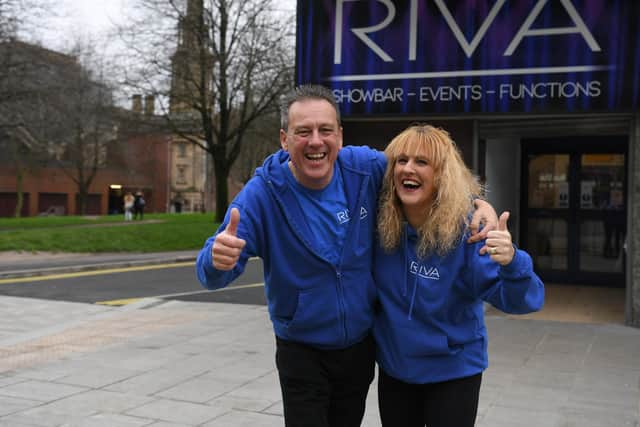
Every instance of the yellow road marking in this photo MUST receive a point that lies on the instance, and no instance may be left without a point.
(119, 302)
(94, 272)
(233, 288)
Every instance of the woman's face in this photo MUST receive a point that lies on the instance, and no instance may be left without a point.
(414, 177)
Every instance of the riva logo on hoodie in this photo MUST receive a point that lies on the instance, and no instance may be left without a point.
(425, 272)
(344, 216)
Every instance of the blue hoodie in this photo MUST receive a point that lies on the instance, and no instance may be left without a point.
(431, 324)
(310, 299)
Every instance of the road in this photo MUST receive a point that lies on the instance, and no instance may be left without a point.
(125, 285)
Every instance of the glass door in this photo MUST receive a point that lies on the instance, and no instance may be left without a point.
(602, 213)
(574, 224)
(547, 234)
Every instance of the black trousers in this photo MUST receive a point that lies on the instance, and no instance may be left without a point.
(445, 404)
(324, 388)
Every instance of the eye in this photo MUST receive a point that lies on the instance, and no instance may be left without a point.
(326, 131)
(401, 161)
(302, 133)
(422, 162)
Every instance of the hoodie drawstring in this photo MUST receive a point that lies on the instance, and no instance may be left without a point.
(407, 266)
(406, 272)
(413, 294)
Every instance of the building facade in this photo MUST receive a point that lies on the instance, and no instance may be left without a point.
(138, 163)
(47, 96)
(542, 98)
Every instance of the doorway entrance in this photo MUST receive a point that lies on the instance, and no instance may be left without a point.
(574, 208)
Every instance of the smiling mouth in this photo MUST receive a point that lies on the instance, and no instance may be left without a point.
(410, 184)
(315, 156)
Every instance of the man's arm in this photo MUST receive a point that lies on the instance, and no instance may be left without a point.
(484, 215)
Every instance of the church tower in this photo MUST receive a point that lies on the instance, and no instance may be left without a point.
(192, 63)
(191, 67)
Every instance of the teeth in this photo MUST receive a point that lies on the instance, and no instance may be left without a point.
(315, 156)
(410, 183)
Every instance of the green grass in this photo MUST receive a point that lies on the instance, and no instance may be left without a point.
(158, 233)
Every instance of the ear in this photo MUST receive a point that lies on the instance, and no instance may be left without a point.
(340, 137)
(283, 140)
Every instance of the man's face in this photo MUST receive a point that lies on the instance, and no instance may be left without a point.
(313, 141)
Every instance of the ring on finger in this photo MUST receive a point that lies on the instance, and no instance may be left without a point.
(493, 250)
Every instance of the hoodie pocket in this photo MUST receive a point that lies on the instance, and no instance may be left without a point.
(316, 318)
(420, 345)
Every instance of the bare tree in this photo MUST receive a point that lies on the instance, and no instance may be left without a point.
(81, 121)
(21, 151)
(20, 146)
(17, 16)
(26, 71)
(259, 143)
(231, 61)
(8, 18)
(55, 111)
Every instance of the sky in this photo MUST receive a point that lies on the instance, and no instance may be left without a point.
(80, 18)
(95, 14)
(92, 18)
(91, 21)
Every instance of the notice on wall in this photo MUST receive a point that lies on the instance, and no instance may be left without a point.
(586, 194)
(562, 200)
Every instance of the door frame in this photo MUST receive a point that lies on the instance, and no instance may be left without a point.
(574, 147)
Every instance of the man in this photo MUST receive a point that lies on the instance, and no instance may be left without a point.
(310, 213)
(138, 206)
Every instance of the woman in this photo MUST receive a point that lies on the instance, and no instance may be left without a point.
(128, 206)
(432, 341)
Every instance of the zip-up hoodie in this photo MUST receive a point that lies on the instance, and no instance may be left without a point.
(431, 324)
(310, 299)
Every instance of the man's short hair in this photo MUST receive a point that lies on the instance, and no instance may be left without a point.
(300, 93)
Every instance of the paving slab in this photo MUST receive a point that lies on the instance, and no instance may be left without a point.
(186, 364)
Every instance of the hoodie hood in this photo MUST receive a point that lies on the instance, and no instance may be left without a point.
(271, 170)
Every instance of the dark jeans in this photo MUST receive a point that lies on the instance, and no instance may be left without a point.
(138, 211)
(324, 388)
(445, 404)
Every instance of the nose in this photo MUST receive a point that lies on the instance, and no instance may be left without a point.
(409, 166)
(314, 138)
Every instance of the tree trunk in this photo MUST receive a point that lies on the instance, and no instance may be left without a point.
(19, 193)
(83, 195)
(222, 190)
(82, 208)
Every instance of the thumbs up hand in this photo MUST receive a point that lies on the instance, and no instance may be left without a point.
(227, 247)
(498, 244)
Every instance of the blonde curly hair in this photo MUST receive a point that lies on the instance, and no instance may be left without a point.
(455, 188)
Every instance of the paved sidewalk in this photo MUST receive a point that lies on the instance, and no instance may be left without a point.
(172, 363)
(169, 363)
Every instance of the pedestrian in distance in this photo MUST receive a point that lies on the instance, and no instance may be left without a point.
(430, 332)
(138, 206)
(317, 201)
(128, 203)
